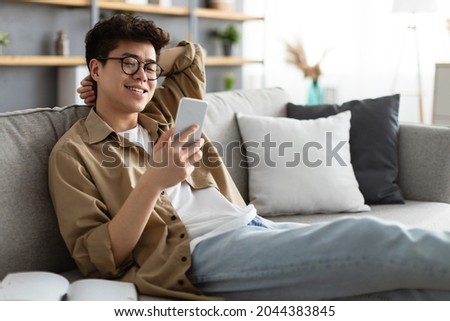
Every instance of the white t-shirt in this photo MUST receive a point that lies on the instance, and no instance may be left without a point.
(205, 212)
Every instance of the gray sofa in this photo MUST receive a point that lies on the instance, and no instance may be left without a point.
(29, 237)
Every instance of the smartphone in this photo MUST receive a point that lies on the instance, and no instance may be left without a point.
(191, 111)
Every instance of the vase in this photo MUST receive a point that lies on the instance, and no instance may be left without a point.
(315, 93)
(227, 49)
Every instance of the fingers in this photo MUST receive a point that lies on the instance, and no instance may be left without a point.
(164, 140)
(87, 81)
(184, 136)
(86, 85)
(87, 94)
(191, 153)
(188, 153)
(89, 102)
(86, 91)
(197, 153)
(166, 150)
(173, 164)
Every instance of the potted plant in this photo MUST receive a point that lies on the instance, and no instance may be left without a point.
(229, 36)
(4, 40)
(228, 81)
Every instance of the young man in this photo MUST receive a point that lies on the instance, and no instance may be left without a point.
(132, 205)
(116, 218)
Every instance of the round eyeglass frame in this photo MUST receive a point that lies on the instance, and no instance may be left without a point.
(154, 75)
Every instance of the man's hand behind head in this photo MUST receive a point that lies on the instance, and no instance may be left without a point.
(86, 91)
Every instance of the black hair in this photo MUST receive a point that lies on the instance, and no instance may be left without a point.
(106, 34)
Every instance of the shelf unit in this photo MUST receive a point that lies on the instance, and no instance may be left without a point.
(152, 8)
(196, 13)
(196, 24)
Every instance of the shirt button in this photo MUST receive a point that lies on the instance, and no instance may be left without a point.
(173, 217)
(163, 193)
(183, 259)
(180, 282)
(182, 236)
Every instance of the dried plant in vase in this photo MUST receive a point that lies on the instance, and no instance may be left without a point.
(297, 57)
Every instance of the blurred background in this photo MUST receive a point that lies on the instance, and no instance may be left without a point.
(365, 49)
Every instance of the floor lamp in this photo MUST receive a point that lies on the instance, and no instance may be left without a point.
(412, 7)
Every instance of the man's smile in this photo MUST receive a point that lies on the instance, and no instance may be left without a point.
(137, 89)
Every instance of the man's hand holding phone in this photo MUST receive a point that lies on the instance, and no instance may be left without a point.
(178, 149)
(190, 112)
(172, 161)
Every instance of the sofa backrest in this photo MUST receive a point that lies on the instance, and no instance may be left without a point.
(29, 235)
(222, 128)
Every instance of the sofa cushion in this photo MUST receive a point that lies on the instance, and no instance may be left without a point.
(300, 166)
(434, 216)
(373, 143)
(221, 126)
(28, 225)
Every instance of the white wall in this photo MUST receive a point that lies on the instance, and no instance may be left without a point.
(364, 41)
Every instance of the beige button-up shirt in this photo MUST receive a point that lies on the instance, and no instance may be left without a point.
(92, 170)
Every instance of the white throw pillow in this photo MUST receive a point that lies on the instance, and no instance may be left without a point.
(300, 166)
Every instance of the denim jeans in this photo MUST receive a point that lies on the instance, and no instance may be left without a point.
(350, 258)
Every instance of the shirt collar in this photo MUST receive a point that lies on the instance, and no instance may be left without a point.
(150, 125)
(98, 130)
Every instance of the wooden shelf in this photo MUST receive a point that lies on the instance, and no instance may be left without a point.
(69, 3)
(229, 61)
(148, 8)
(38, 61)
(224, 15)
(119, 6)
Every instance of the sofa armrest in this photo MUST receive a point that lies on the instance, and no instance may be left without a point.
(424, 162)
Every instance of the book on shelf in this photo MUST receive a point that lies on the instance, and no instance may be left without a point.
(48, 286)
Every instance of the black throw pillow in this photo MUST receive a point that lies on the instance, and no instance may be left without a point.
(373, 143)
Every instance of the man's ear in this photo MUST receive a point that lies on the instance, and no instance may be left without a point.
(94, 67)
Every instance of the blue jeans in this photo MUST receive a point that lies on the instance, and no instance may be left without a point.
(358, 258)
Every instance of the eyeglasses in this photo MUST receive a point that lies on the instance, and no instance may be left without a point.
(131, 65)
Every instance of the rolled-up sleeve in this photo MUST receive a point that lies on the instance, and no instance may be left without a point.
(82, 216)
(186, 79)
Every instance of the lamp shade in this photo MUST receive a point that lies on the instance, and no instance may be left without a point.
(414, 6)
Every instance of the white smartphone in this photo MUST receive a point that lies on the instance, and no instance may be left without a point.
(190, 111)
